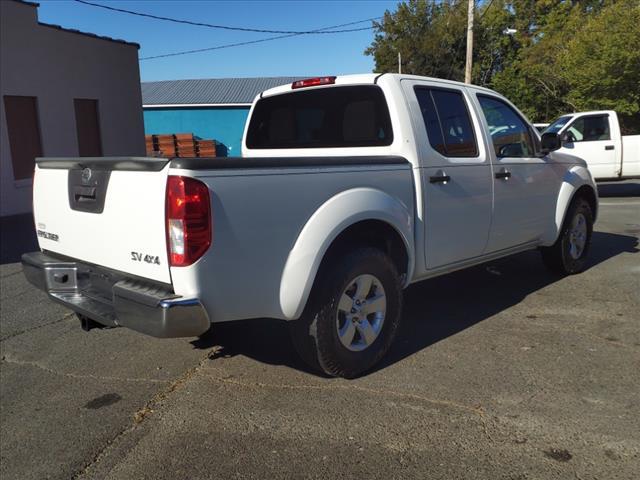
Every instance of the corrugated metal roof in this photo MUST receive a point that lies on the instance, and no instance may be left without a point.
(208, 90)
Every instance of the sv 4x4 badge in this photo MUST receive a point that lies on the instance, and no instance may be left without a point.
(139, 257)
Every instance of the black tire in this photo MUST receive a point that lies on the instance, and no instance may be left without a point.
(558, 257)
(315, 335)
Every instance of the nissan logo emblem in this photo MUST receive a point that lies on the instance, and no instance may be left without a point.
(86, 174)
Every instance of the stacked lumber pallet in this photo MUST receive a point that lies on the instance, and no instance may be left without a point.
(206, 148)
(166, 145)
(185, 146)
(150, 144)
(179, 145)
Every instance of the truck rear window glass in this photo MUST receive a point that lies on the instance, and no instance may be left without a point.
(447, 121)
(342, 116)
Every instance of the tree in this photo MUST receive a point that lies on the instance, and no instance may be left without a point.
(428, 35)
(431, 38)
(567, 55)
(601, 63)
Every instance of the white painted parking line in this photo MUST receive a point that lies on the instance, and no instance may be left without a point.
(610, 204)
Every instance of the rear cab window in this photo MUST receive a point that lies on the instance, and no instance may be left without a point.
(447, 121)
(338, 116)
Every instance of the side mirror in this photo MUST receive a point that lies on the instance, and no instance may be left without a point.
(550, 141)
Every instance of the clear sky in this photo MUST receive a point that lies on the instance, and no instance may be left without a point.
(303, 55)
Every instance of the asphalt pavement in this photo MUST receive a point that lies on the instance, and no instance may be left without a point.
(502, 371)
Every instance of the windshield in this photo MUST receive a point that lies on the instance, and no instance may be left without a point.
(557, 125)
(344, 116)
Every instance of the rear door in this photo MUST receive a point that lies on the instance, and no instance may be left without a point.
(108, 212)
(455, 173)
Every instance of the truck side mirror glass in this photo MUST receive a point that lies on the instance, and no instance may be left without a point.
(550, 141)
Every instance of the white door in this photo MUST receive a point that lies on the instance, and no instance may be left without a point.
(455, 173)
(589, 137)
(525, 185)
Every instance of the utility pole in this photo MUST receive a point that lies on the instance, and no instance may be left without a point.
(467, 69)
(399, 62)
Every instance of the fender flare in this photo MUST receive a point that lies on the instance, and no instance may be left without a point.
(324, 226)
(574, 179)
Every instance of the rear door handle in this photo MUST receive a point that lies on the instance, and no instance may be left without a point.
(609, 147)
(503, 174)
(440, 178)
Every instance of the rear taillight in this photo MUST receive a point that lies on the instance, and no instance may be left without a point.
(313, 82)
(188, 212)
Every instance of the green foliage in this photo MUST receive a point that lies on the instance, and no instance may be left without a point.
(601, 63)
(566, 55)
(429, 36)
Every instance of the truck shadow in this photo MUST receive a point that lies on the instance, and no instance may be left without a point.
(17, 236)
(619, 189)
(433, 310)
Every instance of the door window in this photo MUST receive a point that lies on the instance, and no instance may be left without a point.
(589, 129)
(447, 121)
(557, 124)
(510, 134)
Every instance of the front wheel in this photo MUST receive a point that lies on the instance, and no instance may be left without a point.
(569, 254)
(352, 316)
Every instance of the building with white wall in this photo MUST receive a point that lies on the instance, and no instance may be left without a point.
(63, 93)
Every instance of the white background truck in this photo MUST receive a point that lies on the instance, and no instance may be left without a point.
(596, 137)
(349, 189)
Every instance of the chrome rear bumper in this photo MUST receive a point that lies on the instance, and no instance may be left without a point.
(113, 299)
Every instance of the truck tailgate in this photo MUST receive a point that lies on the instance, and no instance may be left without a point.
(105, 211)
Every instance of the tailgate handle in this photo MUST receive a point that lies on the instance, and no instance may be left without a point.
(87, 189)
(84, 194)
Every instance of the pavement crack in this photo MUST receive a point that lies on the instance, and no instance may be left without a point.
(11, 274)
(17, 294)
(478, 411)
(609, 341)
(141, 414)
(14, 361)
(66, 316)
(374, 391)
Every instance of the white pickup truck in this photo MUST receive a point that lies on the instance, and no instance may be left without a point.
(596, 137)
(349, 190)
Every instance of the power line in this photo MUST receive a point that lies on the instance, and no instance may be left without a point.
(219, 47)
(486, 8)
(226, 27)
(268, 39)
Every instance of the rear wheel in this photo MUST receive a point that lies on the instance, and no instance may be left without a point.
(352, 316)
(569, 254)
